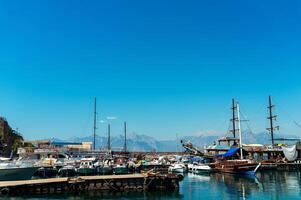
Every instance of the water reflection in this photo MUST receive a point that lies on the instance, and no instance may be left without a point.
(217, 186)
(281, 184)
(108, 195)
(269, 185)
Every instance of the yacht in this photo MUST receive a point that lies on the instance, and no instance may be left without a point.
(17, 170)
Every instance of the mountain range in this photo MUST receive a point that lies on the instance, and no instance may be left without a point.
(138, 142)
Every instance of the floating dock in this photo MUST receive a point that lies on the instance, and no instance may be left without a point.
(133, 182)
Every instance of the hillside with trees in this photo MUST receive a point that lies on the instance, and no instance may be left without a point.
(10, 139)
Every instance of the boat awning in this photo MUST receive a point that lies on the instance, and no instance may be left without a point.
(197, 159)
(229, 153)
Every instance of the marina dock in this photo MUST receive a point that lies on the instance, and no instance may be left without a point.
(133, 182)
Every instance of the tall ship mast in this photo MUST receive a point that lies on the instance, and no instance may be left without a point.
(233, 118)
(239, 130)
(271, 117)
(234, 129)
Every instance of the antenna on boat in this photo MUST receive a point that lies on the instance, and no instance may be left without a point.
(94, 126)
(125, 145)
(109, 137)
(239, 130)
(272, 118)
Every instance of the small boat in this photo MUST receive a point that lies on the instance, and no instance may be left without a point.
(177, 168)
(86, 167)
(104, 169)
(45, 172)
(67, 171)
(201, 169)
(120, 169)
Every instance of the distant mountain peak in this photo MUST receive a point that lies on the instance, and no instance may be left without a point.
(140, 142)
(207, 133)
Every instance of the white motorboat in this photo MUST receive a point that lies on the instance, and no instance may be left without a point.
(201, 169)
(177, 168)
(17, 170)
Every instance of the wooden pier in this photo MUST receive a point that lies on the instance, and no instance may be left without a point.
(132, 182)
(280, 167)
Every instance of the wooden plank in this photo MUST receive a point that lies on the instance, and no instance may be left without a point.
(30, 182)
(125, 176)
(61, 180)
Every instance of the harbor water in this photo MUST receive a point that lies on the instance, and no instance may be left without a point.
(269, 185)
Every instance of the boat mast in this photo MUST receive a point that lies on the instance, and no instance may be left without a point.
(177, 143)
(239, 131)
(233, 118)
(94, 126)
(125, 145)
(109, 137)
(271, 118)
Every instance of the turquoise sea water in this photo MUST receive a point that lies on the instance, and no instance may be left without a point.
(270, 185)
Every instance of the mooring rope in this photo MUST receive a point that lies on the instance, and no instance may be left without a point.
(114, 188)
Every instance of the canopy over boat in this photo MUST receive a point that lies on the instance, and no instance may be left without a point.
(229, 153)
(196, 159)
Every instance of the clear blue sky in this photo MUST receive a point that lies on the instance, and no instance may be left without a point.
(166, 67)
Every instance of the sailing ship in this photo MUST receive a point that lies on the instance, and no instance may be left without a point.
(239, 166)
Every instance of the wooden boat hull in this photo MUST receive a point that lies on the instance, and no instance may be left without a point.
(243, 173)
(239, 168)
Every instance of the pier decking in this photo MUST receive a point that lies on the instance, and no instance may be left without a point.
(131, 182)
